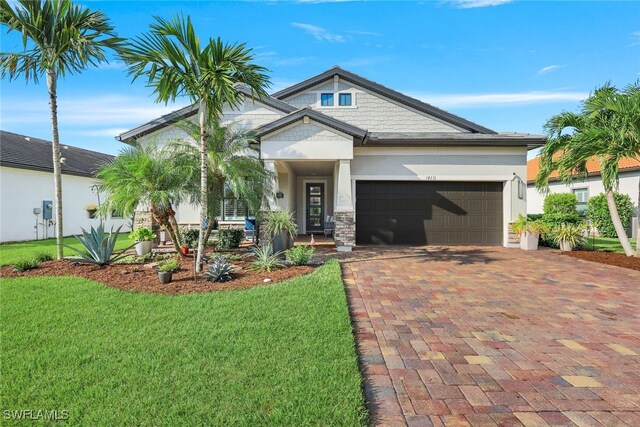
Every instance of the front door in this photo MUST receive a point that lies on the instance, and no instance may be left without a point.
(315, 207)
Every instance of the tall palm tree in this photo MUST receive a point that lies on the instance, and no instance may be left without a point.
(606, 128)
(175, 64)
(58, 38)
(145, 174)
(232, 159)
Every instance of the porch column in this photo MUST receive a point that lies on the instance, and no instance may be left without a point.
(345, 227)
(270, 166)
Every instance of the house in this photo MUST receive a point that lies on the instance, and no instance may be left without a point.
(389, 169)
(629, 180)
(27, 210)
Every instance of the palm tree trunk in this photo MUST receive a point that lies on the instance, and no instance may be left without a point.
(615, 218)
(57, 165)
(202, 119)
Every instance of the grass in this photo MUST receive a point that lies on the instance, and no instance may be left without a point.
(607, 244)
(272, 355)
(10, 253)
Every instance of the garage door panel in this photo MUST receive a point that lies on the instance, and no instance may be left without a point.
(436, 213)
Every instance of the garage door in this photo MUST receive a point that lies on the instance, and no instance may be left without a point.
(428, 213)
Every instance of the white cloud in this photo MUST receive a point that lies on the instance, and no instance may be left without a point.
(471, 4)
(499, 99)
(363, 33)
(112, 65)
(548, 69)
(319, 33)
(636, 38)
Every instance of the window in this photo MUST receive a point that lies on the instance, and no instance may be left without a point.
(326, 99)
(582, 194)
(233, 208)
(344, 99)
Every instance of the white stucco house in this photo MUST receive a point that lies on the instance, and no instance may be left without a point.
(27, 209)
(387, 168)
(629, 179)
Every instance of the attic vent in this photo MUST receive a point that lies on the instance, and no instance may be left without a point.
(27, 138)
(305, 120)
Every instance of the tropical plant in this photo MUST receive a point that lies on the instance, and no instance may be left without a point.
(175, 64)
(98, 247)
(25, 265)
(569, 235)
(523, 225)
(233, 164)
(189, 237)
(42, 256)
(607, 129)
(264, 259)
(144, 175)
(277, 222)
(300, 255)
(58, 38)
(560, 203)
(142, 234)
(598, 213)
(169, 266)
(229, 238)
(219, 270)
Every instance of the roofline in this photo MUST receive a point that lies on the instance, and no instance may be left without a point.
(385, 91)
(44, 169)
(591, 174)
(192, 109)
(313, 115)
(452, 143)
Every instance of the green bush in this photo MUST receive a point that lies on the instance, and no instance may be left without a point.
(142, 234)
(43, 256)
(229, 238)
(560, 203)
(598, 213)
(25, 264)
(534, 217)
(300, 255)
(189, 237)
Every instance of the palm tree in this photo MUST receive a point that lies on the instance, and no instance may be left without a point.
(58, 38)
(607, 129)
(145, 174)
(232, 159)
(175, 64)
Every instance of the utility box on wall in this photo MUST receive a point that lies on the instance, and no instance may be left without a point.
(47, 209)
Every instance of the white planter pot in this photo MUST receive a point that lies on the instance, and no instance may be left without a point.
(565, 246)
(143, 248)
(529, 241)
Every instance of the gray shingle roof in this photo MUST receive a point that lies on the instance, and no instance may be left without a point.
(24, 152)
(314, 115)
(454, 138)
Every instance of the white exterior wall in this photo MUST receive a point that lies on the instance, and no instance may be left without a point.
(23, 190)
(496, 164)
(307, 141)
(369, 110)
(628, 185)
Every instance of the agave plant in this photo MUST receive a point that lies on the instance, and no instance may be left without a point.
(98, 246)
(264, 259)
(220, 270)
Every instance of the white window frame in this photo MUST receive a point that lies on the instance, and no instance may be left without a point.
(580, 189)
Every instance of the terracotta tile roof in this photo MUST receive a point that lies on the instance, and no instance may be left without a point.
(593, 167)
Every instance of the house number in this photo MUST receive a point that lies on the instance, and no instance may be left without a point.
(430, 177)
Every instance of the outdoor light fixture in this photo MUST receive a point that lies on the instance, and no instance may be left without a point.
(280, 195)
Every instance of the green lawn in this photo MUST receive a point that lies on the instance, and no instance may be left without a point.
(272, 355)
(13, 252)
(607, 244)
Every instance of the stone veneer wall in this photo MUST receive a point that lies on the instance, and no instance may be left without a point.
(345, 228)
(143, 218)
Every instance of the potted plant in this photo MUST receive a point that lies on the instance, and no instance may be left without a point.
(569, 236)
(189, 238)
(143, 237)
(166, 269)
(91, 210)
(529, 232)
(280, 228)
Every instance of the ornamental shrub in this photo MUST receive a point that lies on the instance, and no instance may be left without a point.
(229, 238)
(598, 213)
(560, 203)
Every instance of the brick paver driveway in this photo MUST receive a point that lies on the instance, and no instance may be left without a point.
(494, 336)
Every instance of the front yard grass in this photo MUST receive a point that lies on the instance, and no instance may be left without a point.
(272, 355)
(606, 244)
(10, 253)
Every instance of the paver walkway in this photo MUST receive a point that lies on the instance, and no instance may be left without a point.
(495, 336)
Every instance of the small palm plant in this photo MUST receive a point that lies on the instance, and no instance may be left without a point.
(98, 247)
(569, 236)
(265, 260)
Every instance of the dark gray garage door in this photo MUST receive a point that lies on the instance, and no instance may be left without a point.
(429, 213)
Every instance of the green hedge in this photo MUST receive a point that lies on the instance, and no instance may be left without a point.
(229, 238)
(560, 203)
(598, 213)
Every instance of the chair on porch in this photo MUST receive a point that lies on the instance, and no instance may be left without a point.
(329, 225)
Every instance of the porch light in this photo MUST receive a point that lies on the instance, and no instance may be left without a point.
(280, 195)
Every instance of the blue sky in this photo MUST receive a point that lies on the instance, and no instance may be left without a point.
(506, 65)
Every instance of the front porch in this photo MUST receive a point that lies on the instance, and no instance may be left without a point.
(319, 194)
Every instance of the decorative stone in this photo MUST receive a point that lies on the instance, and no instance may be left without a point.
(266, 280)
(345, 230)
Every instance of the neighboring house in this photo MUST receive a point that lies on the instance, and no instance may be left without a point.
(26, 183)
(389, 169)
(629, 173)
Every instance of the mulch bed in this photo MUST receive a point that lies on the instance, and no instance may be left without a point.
(143, 278)
(609, 258)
